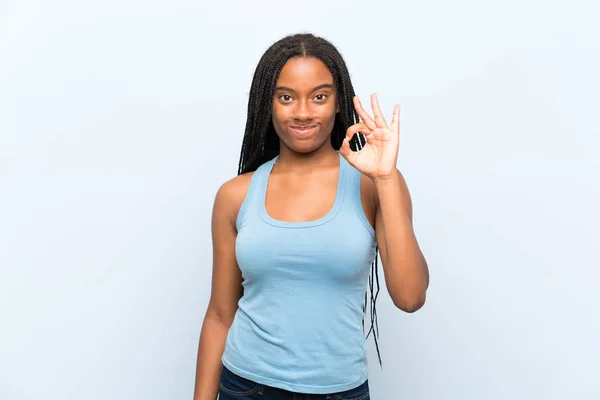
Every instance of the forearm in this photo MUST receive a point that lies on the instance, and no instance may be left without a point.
(208, 366)
(405, 268)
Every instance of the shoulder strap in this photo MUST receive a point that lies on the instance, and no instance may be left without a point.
(257, 185)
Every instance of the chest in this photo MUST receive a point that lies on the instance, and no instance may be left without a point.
(301, 198)
(336, 252)
(309, 198)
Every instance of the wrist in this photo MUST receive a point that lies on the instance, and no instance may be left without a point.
(386, 180)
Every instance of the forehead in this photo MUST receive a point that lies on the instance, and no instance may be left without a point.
(304, 73)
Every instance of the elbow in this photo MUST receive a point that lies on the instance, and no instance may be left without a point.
(412, 304)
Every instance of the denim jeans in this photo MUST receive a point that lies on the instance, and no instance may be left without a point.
(234, 387)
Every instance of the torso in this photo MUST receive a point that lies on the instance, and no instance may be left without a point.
(304, 244)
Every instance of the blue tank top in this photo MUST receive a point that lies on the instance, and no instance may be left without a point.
(298, 325)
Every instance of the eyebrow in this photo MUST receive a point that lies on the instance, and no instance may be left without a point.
(323, 86)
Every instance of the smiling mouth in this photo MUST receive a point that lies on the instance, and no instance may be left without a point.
(303, 129)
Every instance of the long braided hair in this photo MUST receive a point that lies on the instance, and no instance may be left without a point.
(261, 143)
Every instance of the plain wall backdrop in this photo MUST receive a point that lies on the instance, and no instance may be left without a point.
(119, 120)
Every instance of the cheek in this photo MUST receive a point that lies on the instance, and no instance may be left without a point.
(328, 112)
(278, 114)
(331, 106)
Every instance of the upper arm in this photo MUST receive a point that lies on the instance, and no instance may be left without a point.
(226, 288)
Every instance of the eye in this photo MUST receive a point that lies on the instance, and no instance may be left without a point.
(285, 97)
(323, 96)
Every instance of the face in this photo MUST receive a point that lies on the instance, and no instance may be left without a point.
(304, 105)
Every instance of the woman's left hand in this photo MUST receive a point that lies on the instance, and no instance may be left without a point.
(377, 159)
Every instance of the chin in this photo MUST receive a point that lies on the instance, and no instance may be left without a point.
(305, 146)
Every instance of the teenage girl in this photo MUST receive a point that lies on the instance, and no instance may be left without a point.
(316, 196)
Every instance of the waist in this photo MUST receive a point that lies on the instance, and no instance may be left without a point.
(310, 355)
(235, 384)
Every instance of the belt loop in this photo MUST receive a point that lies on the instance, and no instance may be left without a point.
(260, 389)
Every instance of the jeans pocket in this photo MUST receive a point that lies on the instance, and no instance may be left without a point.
(236, 385)
(358, 393)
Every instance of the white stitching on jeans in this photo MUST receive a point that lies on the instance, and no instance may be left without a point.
(239, 393)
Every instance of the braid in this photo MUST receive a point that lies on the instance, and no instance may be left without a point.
(373, 311)
(261, 143)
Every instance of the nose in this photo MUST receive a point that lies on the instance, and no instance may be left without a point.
(303, 111)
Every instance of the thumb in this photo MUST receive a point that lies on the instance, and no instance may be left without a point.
(345, 148)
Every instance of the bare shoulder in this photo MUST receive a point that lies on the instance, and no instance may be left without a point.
(231, 195)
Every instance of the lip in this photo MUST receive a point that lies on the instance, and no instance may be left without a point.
(303, 130)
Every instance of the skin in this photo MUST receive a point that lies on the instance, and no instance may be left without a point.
(308, 164)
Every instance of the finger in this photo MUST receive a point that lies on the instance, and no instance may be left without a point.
(379, 119)
(396, 119)
(364, 116)
(357, 135)
(359, 127)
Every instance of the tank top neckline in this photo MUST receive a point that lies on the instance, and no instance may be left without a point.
(337, 204)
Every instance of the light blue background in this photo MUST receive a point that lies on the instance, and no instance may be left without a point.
(120, 119)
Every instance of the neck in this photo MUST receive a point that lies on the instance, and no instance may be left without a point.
(292, 161)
